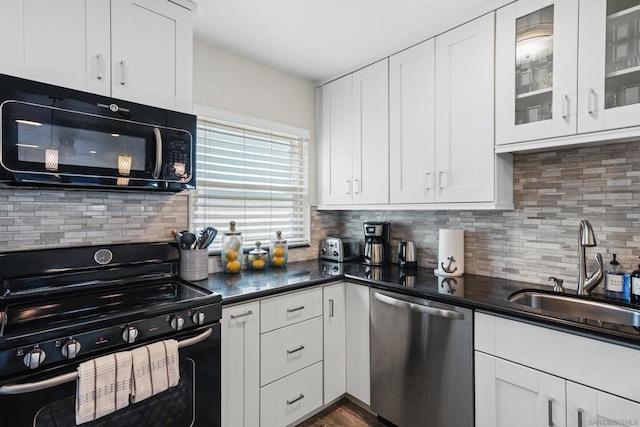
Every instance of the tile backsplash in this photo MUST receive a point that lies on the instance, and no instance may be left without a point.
(39, 218)
(553, 191)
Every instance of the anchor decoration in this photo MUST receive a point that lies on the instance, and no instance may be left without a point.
(447, 269)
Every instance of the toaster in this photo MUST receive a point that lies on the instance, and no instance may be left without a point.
(339, 249)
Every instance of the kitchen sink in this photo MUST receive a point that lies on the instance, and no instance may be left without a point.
(577, 306)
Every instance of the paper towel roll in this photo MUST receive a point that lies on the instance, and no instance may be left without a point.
(450, 245)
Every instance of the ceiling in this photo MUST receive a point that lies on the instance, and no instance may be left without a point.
(320, 40)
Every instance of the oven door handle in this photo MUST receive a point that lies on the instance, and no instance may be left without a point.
(72, 376)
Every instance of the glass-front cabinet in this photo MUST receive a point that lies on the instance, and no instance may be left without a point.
(566, 68)
(536, 70)
(609, 72)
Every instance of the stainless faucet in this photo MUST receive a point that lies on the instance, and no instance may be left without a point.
(586, 238)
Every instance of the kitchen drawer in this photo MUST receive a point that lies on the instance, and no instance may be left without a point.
(287, 350)
(289, 309)
(291, 398)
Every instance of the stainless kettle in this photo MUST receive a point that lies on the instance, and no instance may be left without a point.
(407, 257)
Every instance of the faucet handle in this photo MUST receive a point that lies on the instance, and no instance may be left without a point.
(557, 284)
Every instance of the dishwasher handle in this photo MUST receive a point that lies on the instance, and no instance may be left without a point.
(425, 309)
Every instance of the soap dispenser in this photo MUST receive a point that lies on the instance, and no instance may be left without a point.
(635, 286)
(614, 280)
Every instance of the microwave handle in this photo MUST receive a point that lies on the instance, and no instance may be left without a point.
(156, 170)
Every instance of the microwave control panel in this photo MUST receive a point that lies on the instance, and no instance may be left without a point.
(178, 161)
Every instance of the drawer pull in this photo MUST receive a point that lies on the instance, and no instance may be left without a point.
(237, 316)
(291, 402)
(330, 308)
(295, 350)
(292, 310)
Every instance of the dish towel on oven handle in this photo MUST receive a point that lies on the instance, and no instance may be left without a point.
(103, 386)
(155, 368)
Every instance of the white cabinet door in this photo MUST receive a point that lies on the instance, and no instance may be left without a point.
(508, 394)
(11, 28)
(590, 407)
(336, 153)
(609, 72)
(152, 53)
(66, 43)
(411, 124)
(241, 365)
(464, 112)
(371, 134)
(536, 70)
(357, 342)
(334, 342)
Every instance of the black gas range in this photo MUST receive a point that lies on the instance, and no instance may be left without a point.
(60, 307)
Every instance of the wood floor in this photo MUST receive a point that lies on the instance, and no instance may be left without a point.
(343, 414)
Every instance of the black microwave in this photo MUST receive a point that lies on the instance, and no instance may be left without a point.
(62, 137)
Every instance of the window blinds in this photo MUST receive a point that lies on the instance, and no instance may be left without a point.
(252, 176)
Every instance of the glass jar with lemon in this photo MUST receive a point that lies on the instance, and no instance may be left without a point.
(257, 258)
(279, 251)
(231, 254)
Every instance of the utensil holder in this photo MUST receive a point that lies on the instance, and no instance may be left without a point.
(194, 264)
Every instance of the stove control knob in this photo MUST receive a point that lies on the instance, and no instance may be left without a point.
(34, 358)
(177, 322)
(323, 251)
(130, 334)
(198, 318)
(335, 253)
(71, 348)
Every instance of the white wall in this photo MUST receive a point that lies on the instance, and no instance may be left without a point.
(227, 81)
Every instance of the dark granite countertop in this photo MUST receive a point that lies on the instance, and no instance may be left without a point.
(481, 293)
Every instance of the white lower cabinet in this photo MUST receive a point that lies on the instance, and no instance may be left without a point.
(241, 365)
(291, 351)
(357, 342)
(589, 407)
(291, 398)
(508, 394)
(528, 375)
(286, 356)
(335, 381)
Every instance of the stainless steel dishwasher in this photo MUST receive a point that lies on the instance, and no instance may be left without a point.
(421, 361)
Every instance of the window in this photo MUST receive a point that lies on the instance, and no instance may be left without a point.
(253, 176)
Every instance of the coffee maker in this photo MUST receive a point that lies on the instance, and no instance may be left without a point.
(376, 245)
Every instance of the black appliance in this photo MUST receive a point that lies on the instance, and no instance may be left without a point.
(97, 300)
(56, 136)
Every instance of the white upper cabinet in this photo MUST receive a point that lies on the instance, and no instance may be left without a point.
(465, 161)
(65, 43)
(137, 50)
(354, 148)
(412, 125)
(336, 152)
(566, 70)
(422, 134)
(609, 72)
(536, 74)
(371, 134)
(152, 51)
